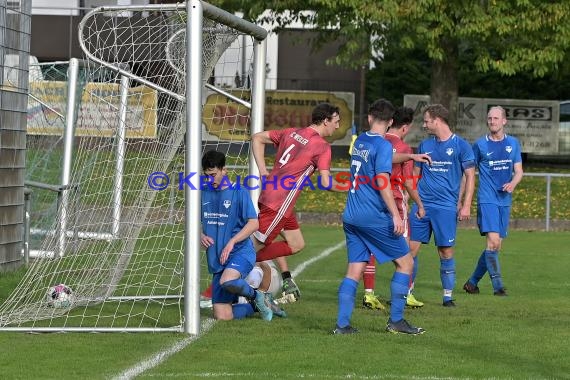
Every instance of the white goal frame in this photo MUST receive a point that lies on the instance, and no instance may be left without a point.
(196, 12)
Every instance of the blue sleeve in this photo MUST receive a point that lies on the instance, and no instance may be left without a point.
(383, 162)
(467, 155)
(247, 208)
(517, 151)
(477, 152)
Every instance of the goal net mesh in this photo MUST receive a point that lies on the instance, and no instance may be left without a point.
(121, 217)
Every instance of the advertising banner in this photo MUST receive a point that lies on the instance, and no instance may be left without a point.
(98, 112)
(225, 119)
(534, 122)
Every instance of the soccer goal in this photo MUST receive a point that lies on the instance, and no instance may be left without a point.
(163, 83)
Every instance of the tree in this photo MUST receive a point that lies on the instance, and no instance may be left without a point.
(504, 36)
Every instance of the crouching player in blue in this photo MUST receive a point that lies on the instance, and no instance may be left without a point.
(228, 220)
(372, 223)
(498, 158)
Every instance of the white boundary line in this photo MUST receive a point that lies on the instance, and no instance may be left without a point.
(206, 325)
(161, 356)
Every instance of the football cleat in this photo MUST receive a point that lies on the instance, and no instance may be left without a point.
(501, 292)
(290, 287)
(449, 303)
(286, 298)
(470, 288)
(205, 302)
(403, 327)
(412, 302)
(263, 306)
(275, 308)
(371, 301)
(345, 330)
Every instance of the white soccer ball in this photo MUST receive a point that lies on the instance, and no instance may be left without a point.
(60, 296)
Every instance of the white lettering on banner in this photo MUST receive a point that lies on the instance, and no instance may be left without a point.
(535, 123)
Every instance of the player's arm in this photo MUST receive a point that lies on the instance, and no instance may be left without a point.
(517, 177)
(387, 196)
(250, 227)
(258, 142)
(206, 240)
(461, 193)
(465, 210)
(398, 158)
(329, 183)
(411, 187)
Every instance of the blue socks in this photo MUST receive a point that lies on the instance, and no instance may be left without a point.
(492, 261)
(239, 286)
(346, 296)
(242, 310)
(480, 270)
(447, 274)
(399, 289)
(415, 271)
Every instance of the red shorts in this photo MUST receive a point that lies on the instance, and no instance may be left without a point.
(271, 223)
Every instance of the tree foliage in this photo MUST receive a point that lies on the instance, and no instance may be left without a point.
(502, 36)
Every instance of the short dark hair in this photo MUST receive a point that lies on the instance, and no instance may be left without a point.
(322, 112)
(381, 109)
(402, 116)
(437, 110)
(213, 159)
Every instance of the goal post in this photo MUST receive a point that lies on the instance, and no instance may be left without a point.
(158, 93)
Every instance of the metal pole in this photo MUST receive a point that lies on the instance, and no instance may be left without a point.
(27, 196)
(257, 106)
(548, 180)
(120, 163)
(70, 119)
(193, 152)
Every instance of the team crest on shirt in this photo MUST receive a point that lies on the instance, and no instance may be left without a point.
(227, 203)
(449, 151)
(509, 148)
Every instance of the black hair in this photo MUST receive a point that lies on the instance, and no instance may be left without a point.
(382, 110)
(322, 112)
(213, 159)
(402, 116)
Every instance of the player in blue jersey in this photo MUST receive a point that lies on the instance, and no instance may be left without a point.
(498, 157)
(439, 189)
(228, 220)
(372, 223)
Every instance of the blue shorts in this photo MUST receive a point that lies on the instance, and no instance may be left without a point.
(237, 262)
(380, 240)
(493, 218)
(443, 224)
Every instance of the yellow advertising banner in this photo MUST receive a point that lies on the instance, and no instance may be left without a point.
(228, 120)
(98, 113)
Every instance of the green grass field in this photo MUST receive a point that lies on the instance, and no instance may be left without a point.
(523, 336)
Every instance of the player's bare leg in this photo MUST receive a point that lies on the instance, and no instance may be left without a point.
(296, 242)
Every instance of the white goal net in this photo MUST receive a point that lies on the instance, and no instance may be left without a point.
(117, 238)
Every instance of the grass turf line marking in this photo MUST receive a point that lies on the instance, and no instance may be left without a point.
(158, 358)
(301, 267)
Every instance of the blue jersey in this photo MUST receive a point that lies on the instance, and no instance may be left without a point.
(440, 182)
(224, 214)
(371, 156)
(496, 160)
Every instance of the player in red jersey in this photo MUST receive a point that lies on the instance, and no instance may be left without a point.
(403, 185)
(300, 151)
